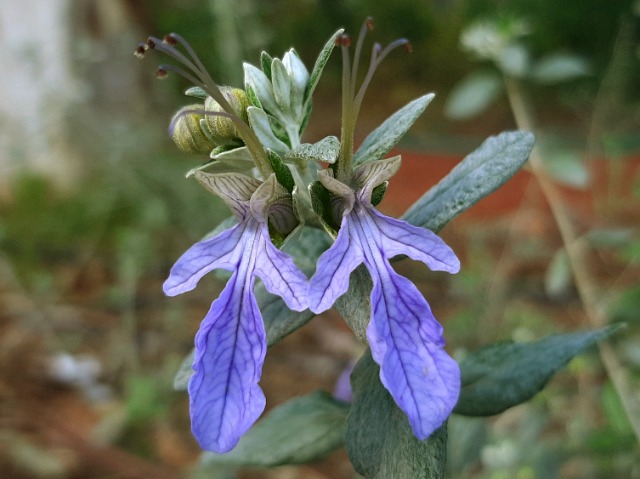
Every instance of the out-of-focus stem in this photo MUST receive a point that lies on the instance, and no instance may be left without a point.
(578, 257)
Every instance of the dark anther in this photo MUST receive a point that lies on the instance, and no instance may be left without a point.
(161, 73)
(343, 40)
(140, 50)
(369, 23)
(150, 43)
(170, 40)
(408, 47)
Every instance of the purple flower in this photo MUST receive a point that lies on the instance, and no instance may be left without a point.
(405, 338)
(225, 399)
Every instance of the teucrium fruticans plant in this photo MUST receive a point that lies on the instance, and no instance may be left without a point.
(295, 219)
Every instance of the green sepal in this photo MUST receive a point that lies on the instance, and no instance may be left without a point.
(301, 430)
(378, 193)
(321, 204)
(265, 63)
(503, 375)
(378, 437)
(283, 174)
(196, 92)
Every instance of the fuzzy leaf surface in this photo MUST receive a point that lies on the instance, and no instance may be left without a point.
(380, 141)
(479, 174)
(506, 374)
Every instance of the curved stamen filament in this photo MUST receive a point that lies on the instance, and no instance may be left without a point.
(351, 101)
(377, 57)
(366, 26)
(197, 74)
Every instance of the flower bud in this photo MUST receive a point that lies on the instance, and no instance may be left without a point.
(186, 130)
(223, 129)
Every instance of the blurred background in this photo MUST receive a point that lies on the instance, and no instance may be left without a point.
(95, 208)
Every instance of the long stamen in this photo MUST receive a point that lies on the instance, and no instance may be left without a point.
(163, 69)
(343, 164)
(197, 74)
(351, 101)
(204, 75)
(377, 57)
(170, 50)
(366, 26)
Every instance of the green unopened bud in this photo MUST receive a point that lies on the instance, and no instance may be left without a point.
(186, 130)
(223, 129)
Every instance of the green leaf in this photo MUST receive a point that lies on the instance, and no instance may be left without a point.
(378, 436)
(321, 61)
(478, 175)
(473, 95)
(380, 141)
(296, 432)
(504, 375)
(560, 67)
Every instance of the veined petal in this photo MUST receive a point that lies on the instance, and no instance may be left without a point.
(398, 237)
(372, 173)
(279, 273)
(406, 341)
(225, 399)
(221, 251)
(331, 279)
(235, 189)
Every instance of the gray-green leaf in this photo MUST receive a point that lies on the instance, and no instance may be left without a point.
(503, 375)
(514, 60)
(479, 174)
(380, 141)
(325, 150)
(321, 61)
(298, 431)
(473, 95)
(181, 379)
(559, 67)
(567, 167)
(378, 436)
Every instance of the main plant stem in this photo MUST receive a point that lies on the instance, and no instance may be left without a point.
(578, 257)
